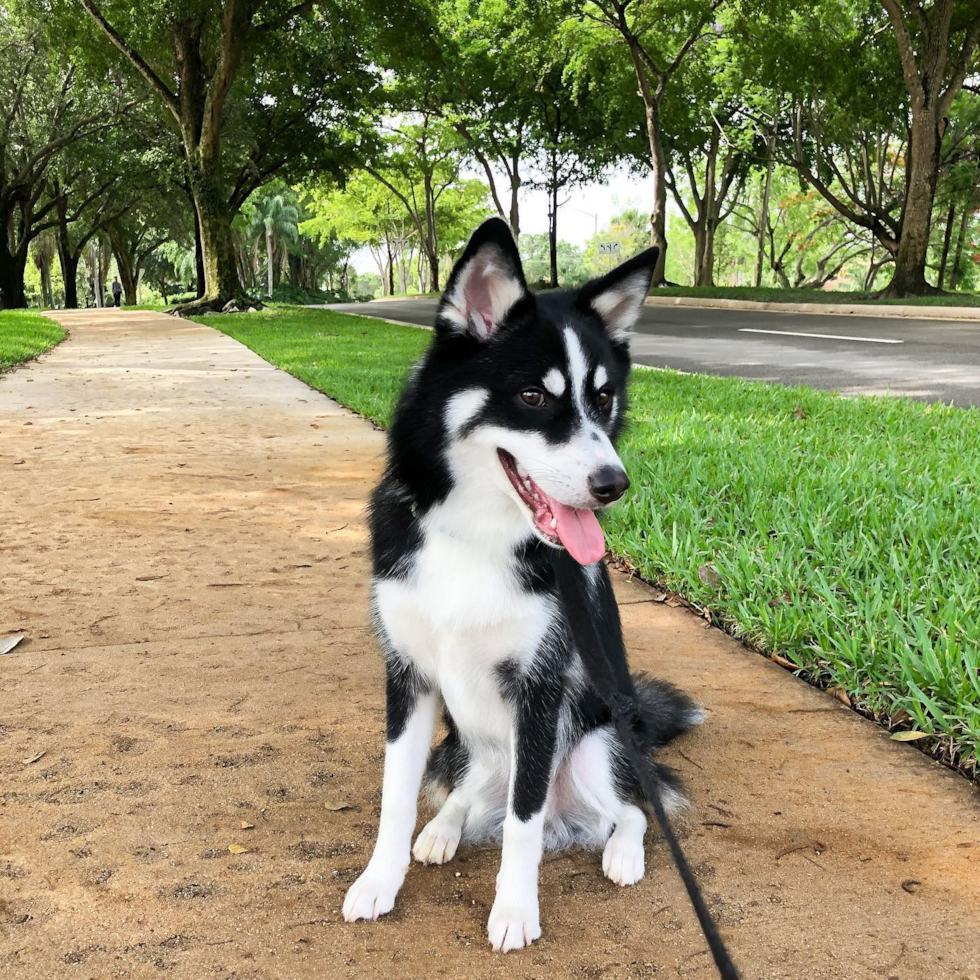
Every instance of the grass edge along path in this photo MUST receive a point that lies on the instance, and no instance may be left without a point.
(24, 335)
(835, 535)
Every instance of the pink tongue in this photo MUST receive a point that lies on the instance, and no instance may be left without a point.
(579, 532)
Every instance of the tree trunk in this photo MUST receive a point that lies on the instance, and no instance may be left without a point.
(69, 273)
(221, 280)
(391, 268)
(268, 261)
(47, 294)
(12, 295)
(920, 192)
(658, 216)
(198, 254)
(553, 234)
(954, 278)
(515, 186)
(947, 238)
(704, 252)
(764, 209)
(431, 243)
(126, 263)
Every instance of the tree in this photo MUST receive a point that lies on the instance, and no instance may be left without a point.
(47, 108)
(481, 75)
(368, 212)
(253, 89)
(154, 218)
(659, 36)
(276, 218)
(711, 138)
(43, 252)
(870, 90)
(582, 130)
(937, 48)
(537, 258)
(422, 159)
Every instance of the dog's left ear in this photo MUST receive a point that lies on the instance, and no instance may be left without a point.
(485, 285)
(617, 297)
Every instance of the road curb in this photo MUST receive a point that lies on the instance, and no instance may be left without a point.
(965, 313)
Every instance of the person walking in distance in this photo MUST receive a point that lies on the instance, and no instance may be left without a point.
(116, 291)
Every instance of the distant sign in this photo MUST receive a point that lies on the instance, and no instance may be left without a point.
(608, 248)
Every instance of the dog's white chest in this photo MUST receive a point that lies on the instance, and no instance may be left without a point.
(458, 616)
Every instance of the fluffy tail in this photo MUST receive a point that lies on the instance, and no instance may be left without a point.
(666, 711)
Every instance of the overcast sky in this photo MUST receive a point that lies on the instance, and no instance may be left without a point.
(576, 219)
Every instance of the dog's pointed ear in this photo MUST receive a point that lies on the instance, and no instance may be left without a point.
(485, 285)
(617, 297)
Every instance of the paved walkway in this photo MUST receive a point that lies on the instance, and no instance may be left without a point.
(182, 541)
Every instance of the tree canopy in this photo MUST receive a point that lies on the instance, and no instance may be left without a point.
(233, 149)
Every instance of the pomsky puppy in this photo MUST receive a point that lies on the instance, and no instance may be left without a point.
(501, 452)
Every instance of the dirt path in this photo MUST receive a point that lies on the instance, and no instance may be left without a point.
(182, 541)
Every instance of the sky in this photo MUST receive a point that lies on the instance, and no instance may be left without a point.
(588, 206)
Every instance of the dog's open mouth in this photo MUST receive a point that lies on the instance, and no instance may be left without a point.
(577, 528)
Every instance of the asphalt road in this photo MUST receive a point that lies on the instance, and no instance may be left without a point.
(930, 360)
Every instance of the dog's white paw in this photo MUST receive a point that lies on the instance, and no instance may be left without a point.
(372, 895)
(623, 860)
(513, 924)
(437, 843)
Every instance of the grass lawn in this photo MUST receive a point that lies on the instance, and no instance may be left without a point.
(24, 335)
(843, 533)
(773, 295)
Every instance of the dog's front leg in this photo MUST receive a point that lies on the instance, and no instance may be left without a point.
(412, 710)
(514, 920)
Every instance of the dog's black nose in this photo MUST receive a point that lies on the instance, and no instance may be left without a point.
(608, 483)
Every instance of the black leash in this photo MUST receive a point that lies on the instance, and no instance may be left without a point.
(605, 676)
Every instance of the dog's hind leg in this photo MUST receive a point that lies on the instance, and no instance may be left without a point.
(623, 857)
(440, 837)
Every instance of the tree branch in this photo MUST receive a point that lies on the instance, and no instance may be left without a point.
(135, 58)
(905, 50)
(970, 41)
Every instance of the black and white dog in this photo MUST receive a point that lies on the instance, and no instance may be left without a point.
(501, 452)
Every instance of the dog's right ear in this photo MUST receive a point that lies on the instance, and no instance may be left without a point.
(486, 283)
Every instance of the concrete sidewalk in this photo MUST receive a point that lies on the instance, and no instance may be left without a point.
(182, 541)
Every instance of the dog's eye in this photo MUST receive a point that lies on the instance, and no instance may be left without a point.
(532, 397)
(603, 398)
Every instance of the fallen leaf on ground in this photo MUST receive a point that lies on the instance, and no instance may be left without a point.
(910, 885)
(247, 826)
(237, 849)
(840, 694)
(908, 736)
(341, 805)
(782, 661)
(34, 758)
(818, 847)
(9, 642)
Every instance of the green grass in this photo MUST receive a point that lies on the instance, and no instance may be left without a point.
(845, 532)
(771, 295)
(24, 335)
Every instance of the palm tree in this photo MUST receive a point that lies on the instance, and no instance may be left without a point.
(44, 250)
(276, 217)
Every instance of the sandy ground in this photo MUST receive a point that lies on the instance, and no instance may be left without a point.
(182, 540)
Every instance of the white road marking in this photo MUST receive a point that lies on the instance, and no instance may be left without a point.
(821, 336)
